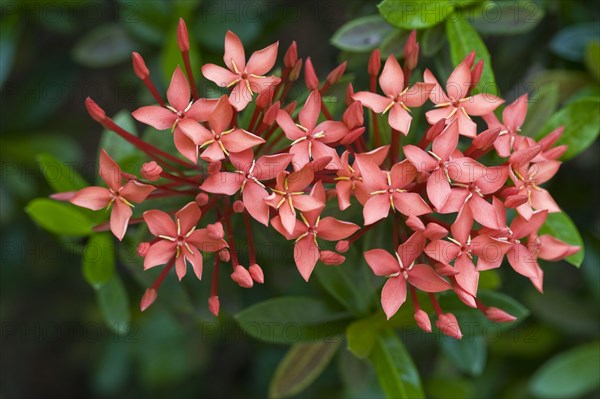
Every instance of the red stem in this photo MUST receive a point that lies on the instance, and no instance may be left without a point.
(188, 70)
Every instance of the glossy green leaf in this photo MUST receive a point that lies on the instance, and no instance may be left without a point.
(407, 14)
(568, 375)
(104, 46)
(98, 259)
(393, 43)
(469, 354)
(362, 334)
(508, 17)
(562, 227)
(114, 305)
(302, 364)
(542, 104)
(292, 319)
(59, 218)
(592, 58)
(569, 82)
(571, 42)
(59, 175)
(433, 40)
(464, 39)
(361, 34)
(396, 371)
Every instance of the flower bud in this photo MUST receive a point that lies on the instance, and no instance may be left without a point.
(183, 39)
(331, 258)
(139, 66)
(464, 296)
(256, 273)
(64, 196)
(422, 320)
(435, 130)
(290, 108)
(214, 305)
(241, 276)
(336, 74)
(556, 152)
(291, 55)
(411, 51)
(271, 114)
(342, 246)
(486, 139)
(202, 199)
(470, 59)
(264, 97)
(94, 110)
(551, 137)
(295, 72)
(143, 248)
(310, 76)
(448, 325)
(476, 76)
(354, 116)
(215, 231)
(238, 206)
(349, 94)
(148, 298)
(151, 171)
(498, 315)
(374, 62)
(224, 255)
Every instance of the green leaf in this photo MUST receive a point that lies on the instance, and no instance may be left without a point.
(362, 334)
(508, 17)
(361, 34)
(469, 354)
(464, 39)
(397, 374)
(117, 147)
(581, 122)
(410, 15)
(9, 35)
(433, 40)
(393, 43)
(58, 175)
(568, 375)
(302, 364)
(592, 59)
(562, 227)
(104, 46)
(99, 259)
(59, 218)
(291, 319)
(571, 42)
(114, 305)
(569, 82)
(540, 108)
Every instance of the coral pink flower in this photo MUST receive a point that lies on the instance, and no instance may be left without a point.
(349, 180)
(443, 166)
(221, 139)
(309, 140)
(288, 195)
(181, 239)
(247, 178)
(527, 178)
(401, 270)
(513, 117)
(397, 99)
(247, 78)
(388, 190)
(456, 104)
(550, 248)
(306, 232)
(117, 194)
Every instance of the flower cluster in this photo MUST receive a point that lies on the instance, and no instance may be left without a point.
(282, 167)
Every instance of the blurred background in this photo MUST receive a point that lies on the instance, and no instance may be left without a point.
(53, 340)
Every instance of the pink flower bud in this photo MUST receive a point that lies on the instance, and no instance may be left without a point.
(498, 315)
(257, 273)
(551, 137)
(331, 258)
(374, 62)
(448, 325)
(486, 139)
(151, 171)
(224, 255)
(271, 114)
(238, 206)
(214, 305)
(349, 94)
(354, 115)
(265, 97)
(470, 59)
(142, 248)
(336, 74)
(241, 276)
(476, 75)
(290, 107)
(411, 51)
(342, 246)
(139, 66)
(423, 321)
(215, 231)
(148, 298)
(64, 196)
(556, 152)
(310, 76)
(183, 39)
(202, 199)
(464, 296)
(94, 110)
(295, 72)
(291, 55)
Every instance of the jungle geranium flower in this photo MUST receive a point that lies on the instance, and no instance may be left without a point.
(181, 239)
(513, 117)
(527, 179)
(247, 79)
(221, 139)
(310, 141)
(311, 227)
(401, 270)
(397, 99)
(247, 178)
(457, 104)
(119, 195)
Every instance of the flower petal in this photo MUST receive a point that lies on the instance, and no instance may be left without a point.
(253, 197)
(119, 218)
(481, 104)
(459, 81)
(468, 276)
(240, 140)
(159, 253)
(234, 52)
(227, 183)
(392, 77)
(426, 279)
(410, 204)
(201, 109)
(188, 217)
(268, 167)
(218, 75)
(160, 223)
(185, 145)
(402, 174)
(285, 122)
(382, 262)
(178, 93)
(158, 117)
(373, 101)
(110, 171)
(438, 189)
(262, 61)
(376, 208)
(331, 229)
(399, 119)
(393, 295)
(309, 114)
(420, 159)
(94, 198)
(220, 118)
(135, 191)
(306, 255)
